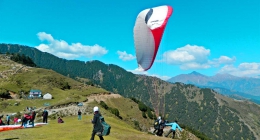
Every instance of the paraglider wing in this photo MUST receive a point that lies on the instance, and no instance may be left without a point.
(148, 32)
(14, 127)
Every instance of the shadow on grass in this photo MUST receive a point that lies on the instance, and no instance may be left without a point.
(10, 139)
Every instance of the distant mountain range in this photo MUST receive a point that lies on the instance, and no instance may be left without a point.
(226, 84)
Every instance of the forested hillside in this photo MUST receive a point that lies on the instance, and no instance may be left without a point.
(199, 109)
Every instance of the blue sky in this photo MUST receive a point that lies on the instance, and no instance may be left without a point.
(205, 36)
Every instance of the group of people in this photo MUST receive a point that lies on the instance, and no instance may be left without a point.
(8, 120)
(160, 124)
(26, 119)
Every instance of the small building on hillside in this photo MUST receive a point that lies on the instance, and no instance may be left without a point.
(47, 96)
(35, 93)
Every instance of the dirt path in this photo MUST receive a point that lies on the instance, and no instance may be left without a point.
(102, 97)
(85, 109)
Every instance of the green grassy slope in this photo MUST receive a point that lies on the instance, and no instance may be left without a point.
(74, 129)
(47, 81)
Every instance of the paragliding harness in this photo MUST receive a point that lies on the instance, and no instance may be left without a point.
(106, 127)
(28, 117)
(156, 124)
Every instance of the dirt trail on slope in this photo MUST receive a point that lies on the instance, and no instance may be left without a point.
(72, 109)
(102, 97)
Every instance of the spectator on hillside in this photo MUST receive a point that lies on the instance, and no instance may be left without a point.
(45, 116)
(15, 120)
(8, 119)
(60, 120)
(79, 115)
(1, 121)
(33, 117)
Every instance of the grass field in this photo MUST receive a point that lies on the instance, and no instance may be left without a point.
(74, 129)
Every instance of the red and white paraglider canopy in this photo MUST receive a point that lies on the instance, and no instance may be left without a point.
(148, 32)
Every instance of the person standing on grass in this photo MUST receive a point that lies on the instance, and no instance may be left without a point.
(8, 119)
(1, 121)
(45, 116)
(97, 126)
(33, 117)
(15, 120)
(79, 115)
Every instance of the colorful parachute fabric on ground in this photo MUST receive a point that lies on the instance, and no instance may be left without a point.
(148, 32)
(10, 127)
(14, 127)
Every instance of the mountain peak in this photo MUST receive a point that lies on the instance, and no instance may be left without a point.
(196, 73)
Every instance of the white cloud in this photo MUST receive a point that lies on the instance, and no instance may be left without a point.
(194, 57)
(161, 77)
(226, 60)
(222, 60)
(124, 56)
(138, 71)
(194, 65)
(187, 54)
(141, 72)
(243, 70)
(43, 36)
(62, 49)
(249, 66)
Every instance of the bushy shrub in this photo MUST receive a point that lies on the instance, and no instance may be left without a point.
(142, 107)
(114, 111)
(135, 100)
(136, 124)
(144, 115)
(4, 94)
(103, 104)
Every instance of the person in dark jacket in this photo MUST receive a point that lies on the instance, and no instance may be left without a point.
(45, 116)
(161, 127)
(157, 125)
(33, 117)
(97, 126)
